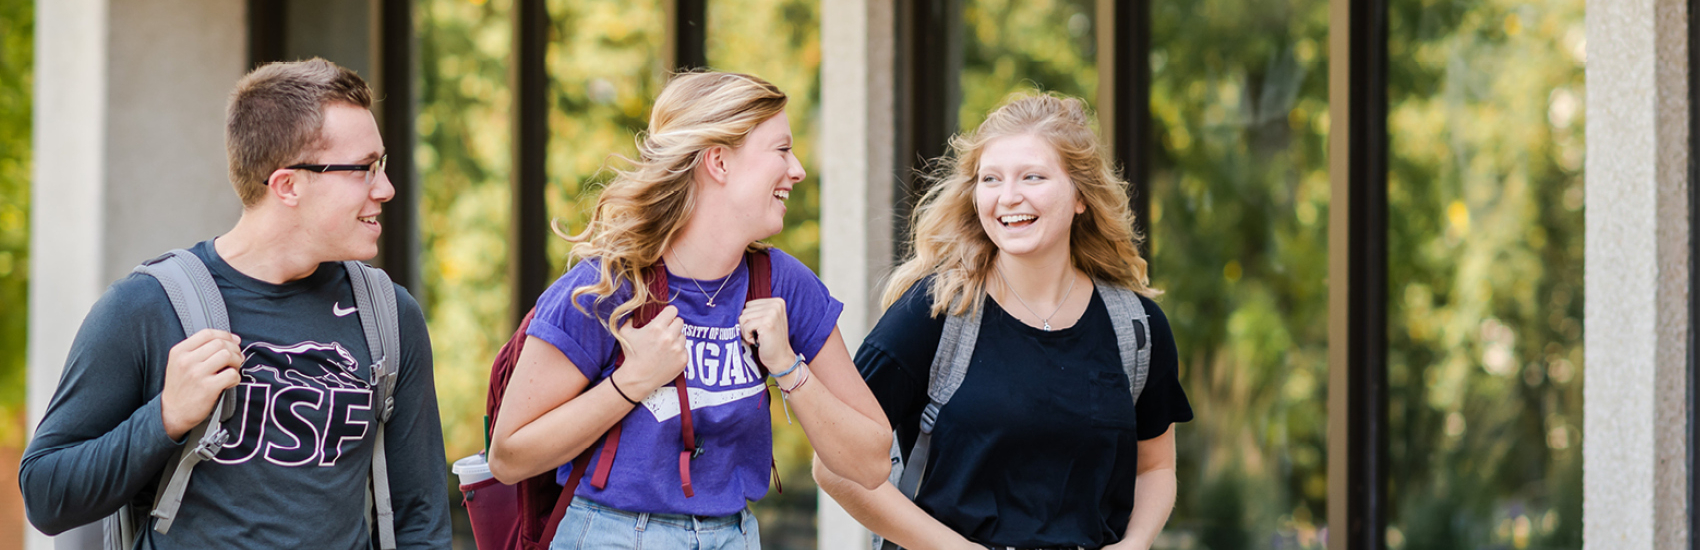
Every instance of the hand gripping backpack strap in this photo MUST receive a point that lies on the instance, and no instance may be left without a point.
(374, 297)
(950, 367)
(687, 427)
(654, 277)
(199, 305)
(1133, 333)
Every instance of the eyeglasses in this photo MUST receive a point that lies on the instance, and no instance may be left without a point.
(372, 169)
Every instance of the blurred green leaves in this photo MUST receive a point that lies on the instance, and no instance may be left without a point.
(17, 51)
(1485, 298)
(1485, 238)
(464, 162)
(1239, 194)
(1014, 46)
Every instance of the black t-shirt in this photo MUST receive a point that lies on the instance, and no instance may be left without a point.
(1038, 447)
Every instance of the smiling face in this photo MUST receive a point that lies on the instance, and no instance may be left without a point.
(760, 175)
(338, 211)
(1025, 199)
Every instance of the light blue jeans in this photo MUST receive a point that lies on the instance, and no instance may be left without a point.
(592, 526)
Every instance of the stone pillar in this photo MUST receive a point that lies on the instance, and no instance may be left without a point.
(1635, 447)
(128, 155)
(858, 179)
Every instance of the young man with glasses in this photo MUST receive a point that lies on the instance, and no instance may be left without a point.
(295, 466)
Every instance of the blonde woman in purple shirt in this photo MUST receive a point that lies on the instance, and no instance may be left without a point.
(711, 179)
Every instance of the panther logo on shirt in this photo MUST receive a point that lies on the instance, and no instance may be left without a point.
(297, 405)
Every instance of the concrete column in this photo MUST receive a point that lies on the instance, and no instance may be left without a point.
(857, 184)
(129, 154)
(1635, 475)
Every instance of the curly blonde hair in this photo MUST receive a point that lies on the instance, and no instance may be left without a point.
(949, 242)
(646, 205)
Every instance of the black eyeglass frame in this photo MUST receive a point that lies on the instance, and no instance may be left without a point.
(371, 168)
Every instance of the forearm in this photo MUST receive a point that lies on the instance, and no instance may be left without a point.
(1153, 500)
(413, 444)
(67, 484)
(559, 435)
(849, 442)
(417, 485)
(885, 511)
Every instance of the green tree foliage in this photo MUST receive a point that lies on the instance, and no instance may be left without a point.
(1239, 210)
(1012, 47)
(464, 161)
(605, 67)
(1485, 301)
(17, 51)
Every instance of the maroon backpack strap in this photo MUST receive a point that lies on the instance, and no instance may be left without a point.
(655, 277)
(761, 286)
(535, 495)
(503, 370)
(687, 433)
(610, 447)
(761, 280)
(559, 512)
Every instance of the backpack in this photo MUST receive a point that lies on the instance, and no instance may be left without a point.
(950, 367)
(540, 502)
(199, 305)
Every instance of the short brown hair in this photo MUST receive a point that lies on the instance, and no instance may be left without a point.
(275, 115)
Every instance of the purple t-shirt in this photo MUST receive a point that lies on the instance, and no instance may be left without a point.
(728, 398)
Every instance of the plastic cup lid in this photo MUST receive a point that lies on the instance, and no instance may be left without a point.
(471, 465)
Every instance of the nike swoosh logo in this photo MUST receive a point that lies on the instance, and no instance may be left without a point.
(337, 309)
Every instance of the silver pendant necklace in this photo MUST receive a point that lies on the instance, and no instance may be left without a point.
(716, 293)
(1046, 320)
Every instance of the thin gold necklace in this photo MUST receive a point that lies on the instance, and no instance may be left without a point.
(723, 282)
(1045, 319)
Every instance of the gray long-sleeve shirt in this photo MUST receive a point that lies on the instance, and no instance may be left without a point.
(295, 470)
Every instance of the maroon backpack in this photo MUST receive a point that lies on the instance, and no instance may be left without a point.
(540, 503)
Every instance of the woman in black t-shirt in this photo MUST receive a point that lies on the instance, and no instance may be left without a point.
(1042, 446)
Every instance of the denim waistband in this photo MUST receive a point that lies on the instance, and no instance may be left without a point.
(687, 521)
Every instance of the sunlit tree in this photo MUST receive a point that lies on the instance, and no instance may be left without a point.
(17, 50)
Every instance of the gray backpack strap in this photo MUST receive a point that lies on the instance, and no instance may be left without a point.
(118, 531)
(950, 367)
(956, 349)
(199, 305)
(190, 287)
(374, 296)
(1133, 333)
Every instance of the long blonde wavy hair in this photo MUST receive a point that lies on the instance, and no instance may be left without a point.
(949, 242)
(646, 204)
